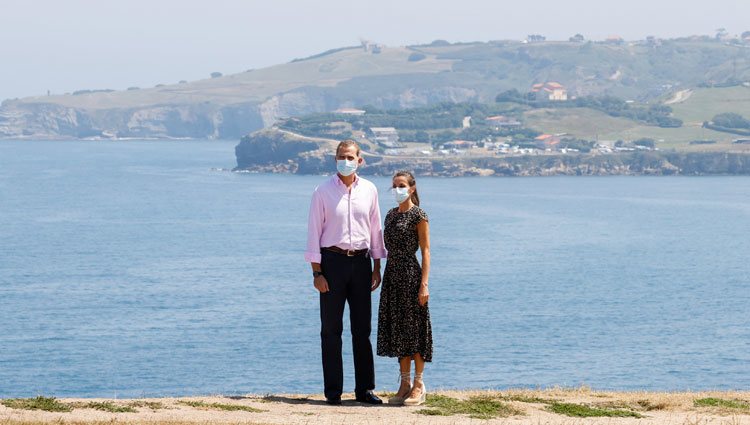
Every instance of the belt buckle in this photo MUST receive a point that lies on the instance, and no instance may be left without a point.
(350, 253)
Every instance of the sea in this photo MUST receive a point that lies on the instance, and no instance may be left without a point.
(148, 268)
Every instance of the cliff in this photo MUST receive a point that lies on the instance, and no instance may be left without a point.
(273, 151)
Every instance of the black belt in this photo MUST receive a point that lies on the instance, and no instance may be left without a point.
(347, 252)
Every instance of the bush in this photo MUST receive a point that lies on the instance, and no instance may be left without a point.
(731, 120)
(440, 43)
(422, 136)
(649, 143)
(416, 57)
(510, 96)
(80, 92)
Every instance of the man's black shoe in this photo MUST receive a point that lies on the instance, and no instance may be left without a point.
(334, 401)
(369, 397)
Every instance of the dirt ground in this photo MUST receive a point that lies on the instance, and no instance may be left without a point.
(536, 407)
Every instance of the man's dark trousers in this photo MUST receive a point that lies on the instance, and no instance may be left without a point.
(349, 280)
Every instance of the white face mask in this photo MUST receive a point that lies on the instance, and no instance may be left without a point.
(400, 194)
(346, 167)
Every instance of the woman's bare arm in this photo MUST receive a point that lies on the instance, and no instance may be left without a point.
(423, 230)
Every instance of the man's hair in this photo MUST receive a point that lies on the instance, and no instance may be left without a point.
(345, 144)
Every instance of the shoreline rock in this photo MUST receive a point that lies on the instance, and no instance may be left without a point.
(272, 151)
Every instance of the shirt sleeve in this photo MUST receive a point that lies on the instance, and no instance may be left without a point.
(377, 247)
(314, 229)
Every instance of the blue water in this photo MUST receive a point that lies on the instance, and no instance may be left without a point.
(139, 269)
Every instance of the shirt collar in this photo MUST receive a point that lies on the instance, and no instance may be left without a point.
(341, 184)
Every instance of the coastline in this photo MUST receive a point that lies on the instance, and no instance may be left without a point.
(274, 151)
(521, 406)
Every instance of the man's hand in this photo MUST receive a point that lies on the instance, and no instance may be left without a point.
(321, 284)
(424, 295)
(375, 279)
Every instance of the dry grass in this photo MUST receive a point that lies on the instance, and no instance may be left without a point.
(153, 405)
(580, 405)
(48, 404)
(220, 406)
(478, 407)
(104, 406)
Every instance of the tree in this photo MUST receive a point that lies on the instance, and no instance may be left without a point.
(216, 74)
(443, 136)
(668, 122)
(439, 42)
(422, 136)
(731, 120)
(746, 34)
(535, 38)
(646, 142)
(578, 38)
(512, 95)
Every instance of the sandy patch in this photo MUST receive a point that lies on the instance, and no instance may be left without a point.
(529, 407)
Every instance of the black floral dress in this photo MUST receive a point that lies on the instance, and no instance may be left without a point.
(404, 327)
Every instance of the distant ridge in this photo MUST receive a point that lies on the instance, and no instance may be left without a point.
(230, 106)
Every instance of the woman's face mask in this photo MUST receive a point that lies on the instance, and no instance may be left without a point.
(400, 194)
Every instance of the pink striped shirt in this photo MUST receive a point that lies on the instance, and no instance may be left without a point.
(343, 219)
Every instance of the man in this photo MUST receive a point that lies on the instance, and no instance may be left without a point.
(344, 233)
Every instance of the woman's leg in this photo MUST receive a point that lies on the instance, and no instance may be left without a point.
(418, 387)
(405, 366)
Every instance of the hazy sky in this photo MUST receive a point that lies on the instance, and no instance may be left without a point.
(67, 45)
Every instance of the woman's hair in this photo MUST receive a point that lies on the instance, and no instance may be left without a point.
(412, 183)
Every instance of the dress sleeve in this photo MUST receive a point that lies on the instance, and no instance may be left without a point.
(420, 216)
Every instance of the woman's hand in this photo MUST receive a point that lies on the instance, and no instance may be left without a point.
(424, 294)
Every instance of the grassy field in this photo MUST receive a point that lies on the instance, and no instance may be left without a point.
(257, 85)
(595, 125)
(704, 103)
(627, 71)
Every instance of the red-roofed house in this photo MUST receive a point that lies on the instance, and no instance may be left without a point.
(502, 121)
(551, 90)
(548, 139)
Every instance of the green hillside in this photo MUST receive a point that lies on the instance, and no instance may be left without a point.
(704, 103)
(589, 124)
(260, 84)
(394, 78)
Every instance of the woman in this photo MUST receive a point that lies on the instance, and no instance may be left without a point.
(404, 329)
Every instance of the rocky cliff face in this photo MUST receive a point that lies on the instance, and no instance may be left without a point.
(202, 120)
(273, 151)
(194, 120)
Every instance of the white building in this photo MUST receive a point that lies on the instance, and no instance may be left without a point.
(384, 135)
(349, 111)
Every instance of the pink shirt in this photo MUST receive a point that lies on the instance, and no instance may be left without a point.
(343, 219)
